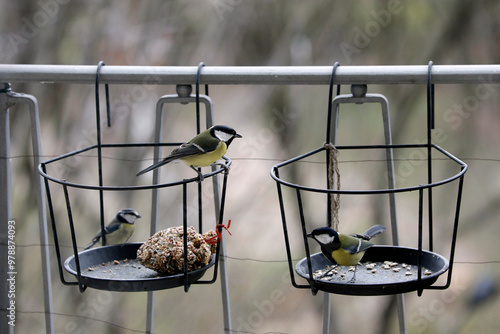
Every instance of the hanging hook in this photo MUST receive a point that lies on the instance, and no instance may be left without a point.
(430, 96)
(106, 87)
(330, 97)
(198, 75)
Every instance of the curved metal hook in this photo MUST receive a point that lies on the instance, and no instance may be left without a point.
(430, 96)
(97, 79)
(330, 97)
(198, 75)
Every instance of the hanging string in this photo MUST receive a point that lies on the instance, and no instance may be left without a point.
(333, 172)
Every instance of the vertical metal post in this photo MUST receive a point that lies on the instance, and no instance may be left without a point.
(5, 211)
(224, 281)
(7, 99)
(185, 98)
(327, 313)
(391, 177)
(154, 207)
(359, 96)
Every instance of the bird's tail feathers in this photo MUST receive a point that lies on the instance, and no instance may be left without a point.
(371, 232)
(154, 166)
(92, 243)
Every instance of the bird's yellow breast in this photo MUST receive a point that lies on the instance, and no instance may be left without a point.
(121, 235)
(344, 258)
(206, 159)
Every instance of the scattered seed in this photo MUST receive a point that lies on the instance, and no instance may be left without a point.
(408, 273)
(370, 266)
(116, 262)
(427, 272)
(396, 270)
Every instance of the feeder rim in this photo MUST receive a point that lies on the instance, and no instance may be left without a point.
(275, 173)
(42, 172)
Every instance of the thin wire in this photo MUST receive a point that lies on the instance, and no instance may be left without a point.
(262, 260)
(49, 156)
(82, 317)
(123, 327)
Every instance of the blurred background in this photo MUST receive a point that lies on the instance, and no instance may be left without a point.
(277, 123)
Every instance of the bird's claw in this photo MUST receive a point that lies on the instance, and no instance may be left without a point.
(226, 168)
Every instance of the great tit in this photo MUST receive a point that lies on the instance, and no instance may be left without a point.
(201, 151)
(344, 249)
(119, 230)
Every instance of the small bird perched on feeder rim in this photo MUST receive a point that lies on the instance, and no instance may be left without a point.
(201, 151)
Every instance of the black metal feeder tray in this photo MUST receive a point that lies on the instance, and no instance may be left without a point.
(367, 282)
(116, 268)
(379, 278)
(121, 271)
(421, 267)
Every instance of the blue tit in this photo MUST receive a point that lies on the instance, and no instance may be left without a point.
(201, 151)
(119, 230)
(344, 249)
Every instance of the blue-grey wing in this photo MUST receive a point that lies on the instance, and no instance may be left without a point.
(358, 247)
(112, 227)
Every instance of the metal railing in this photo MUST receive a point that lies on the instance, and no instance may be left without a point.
(212, 75)
(253, 75)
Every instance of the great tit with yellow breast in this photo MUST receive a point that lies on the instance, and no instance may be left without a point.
(119, 230)
(344, 249)
(201, 151)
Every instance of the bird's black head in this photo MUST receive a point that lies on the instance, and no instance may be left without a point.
(224, 133)
(326, 237)
(127, 216)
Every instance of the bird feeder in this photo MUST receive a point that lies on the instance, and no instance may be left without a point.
(115, 267)
(421, 267)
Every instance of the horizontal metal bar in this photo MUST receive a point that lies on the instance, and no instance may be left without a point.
(256, 75)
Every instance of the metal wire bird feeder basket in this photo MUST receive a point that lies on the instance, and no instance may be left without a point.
(90, 267)
(422, 267)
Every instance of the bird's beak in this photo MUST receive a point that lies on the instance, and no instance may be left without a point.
(238, 136)
(309, 235)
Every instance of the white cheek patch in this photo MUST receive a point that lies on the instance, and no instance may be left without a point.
(324, 238)
(130, 218)
(223, 135)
